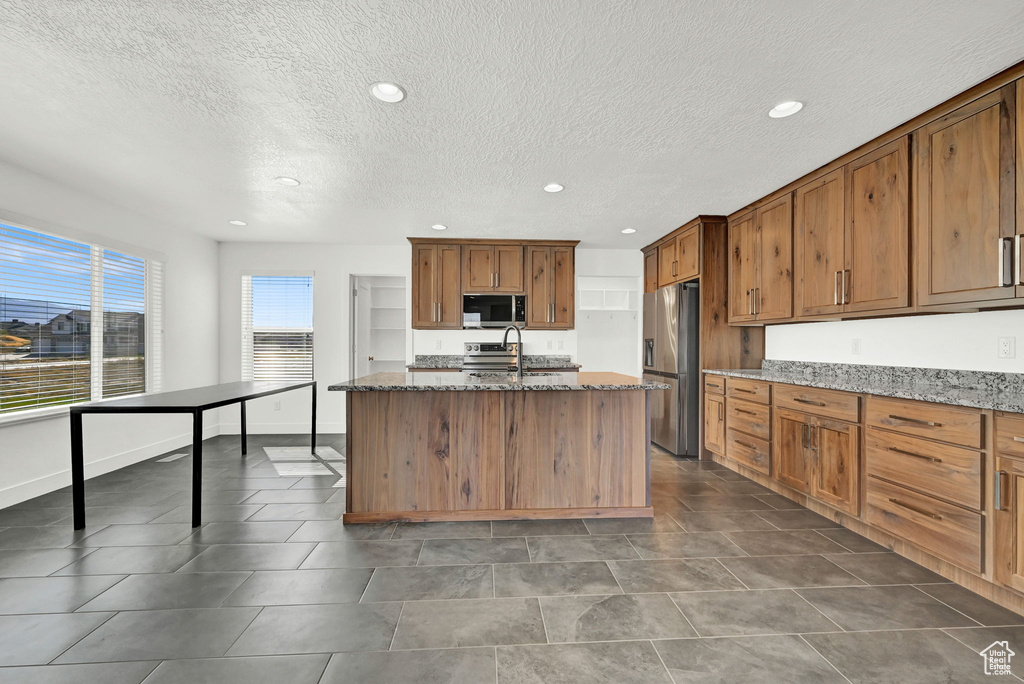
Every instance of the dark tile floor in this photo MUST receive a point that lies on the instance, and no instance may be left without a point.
(728, 582)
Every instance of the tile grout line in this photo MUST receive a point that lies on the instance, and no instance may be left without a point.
(658, 653)
(608, 565)
(369, 579)
(735, 576)
(394, 634)
(955, 610)
(811, 646)
(669, 595)
(83, 637)
(244, 630)
(543, 622)
(808, 602)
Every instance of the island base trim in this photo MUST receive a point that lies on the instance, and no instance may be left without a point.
(498, 514)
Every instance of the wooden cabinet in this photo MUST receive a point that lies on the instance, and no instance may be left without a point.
(651, 270)
(761, 263)
(550, 288)
(679, 258)
(964, 203)
(748, 423)
(818, 456)
(492, 268)
(819, 227)
(436, 286)
(1008, 504)
(714, 423)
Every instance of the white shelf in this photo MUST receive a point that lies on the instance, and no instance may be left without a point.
(388, 307)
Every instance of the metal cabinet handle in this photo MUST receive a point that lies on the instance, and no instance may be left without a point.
(911, 507)
(808, 401)
(497, 279)
(720, 410)
(1001, 256)
(917, 421)
(1017, 240)
(744, 391)
(744, 444)
(846, 295)
(739, 410)
(757, 292)
(1018, 439)
(835, 290)
(897, 450)
(711, 384)
(998, 494)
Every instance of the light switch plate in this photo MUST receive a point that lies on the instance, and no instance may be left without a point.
(855, 346)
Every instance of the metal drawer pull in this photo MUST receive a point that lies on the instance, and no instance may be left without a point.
(1019, 257)
(739, 410)
(933, 516)
(998, 496)
(745, 391)
(808, 401)
(711, 384)
(846, 297)
(1001, 253)
(744, 444)
(911, 453)
(915, 420)
(719, 410)
(835, 290)
(1018, 439)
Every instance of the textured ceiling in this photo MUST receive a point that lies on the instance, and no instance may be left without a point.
(649, 112)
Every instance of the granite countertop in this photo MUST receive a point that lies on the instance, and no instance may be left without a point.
(502, 382)
(976, 389)
(529, 361)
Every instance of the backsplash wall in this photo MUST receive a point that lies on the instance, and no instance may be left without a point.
(957, 341)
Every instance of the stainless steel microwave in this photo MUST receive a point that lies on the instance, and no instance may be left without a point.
(493, 310)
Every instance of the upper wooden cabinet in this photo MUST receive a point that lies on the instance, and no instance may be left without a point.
(679, 258)
(964, 203)
(851, 235)
(436, 286)
(761, 263)
(651, 270)
(550, 287)
(492, 268)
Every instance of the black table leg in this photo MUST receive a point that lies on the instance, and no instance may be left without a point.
(77, 471)
(312, 436)
(197, 468)
(245, 446)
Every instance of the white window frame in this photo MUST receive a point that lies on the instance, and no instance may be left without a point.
(245, 301)
(153, 295)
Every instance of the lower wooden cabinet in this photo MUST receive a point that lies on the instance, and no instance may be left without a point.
(1008, 547)
(714, 423)
(819, 457)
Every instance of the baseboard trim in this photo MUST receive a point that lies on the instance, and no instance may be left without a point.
(24, 491)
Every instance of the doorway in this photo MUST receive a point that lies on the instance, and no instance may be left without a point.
(378, 325)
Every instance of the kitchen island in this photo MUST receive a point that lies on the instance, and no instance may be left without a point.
(487, 446)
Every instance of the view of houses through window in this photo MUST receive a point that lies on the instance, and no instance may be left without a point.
(277, 327)
(53, 295)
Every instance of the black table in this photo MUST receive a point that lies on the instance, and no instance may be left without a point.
(193, 401)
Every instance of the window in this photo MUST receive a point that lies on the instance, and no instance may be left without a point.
(73, 321)
(277, 327)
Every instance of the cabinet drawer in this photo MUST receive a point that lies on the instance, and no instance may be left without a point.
(1010, 434)
(820, 402)
(750, 451)
(934, 421)
(746, 416)
(943, 529)
(714, 384)
(751, 390)
(948, 472)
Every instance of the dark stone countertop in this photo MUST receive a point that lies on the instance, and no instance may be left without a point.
(500, 382)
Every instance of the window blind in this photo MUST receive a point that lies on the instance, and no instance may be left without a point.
(72, 321)
(277, 327)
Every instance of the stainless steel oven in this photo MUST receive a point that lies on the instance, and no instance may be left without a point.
(493, 310)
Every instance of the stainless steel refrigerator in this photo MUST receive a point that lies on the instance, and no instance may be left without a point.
(671, 336)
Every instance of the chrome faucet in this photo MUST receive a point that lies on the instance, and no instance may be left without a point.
(519, 349)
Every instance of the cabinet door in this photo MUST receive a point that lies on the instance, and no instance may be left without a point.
(774, 296)
(688, 254)
(878, 230)
(791, 437)
(1009, 522)
(667, 273)
(714, 423)
(836, 448)
(965, 203)
(819, 227)
(742, 267)
(424, 282)
(477, 268)
(449, 286)
(651, 270)
(563, 289)
(508, 267)
(538, 287)
(1018, 276)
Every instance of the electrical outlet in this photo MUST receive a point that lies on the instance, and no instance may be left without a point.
(1007, 348)
(561, 345)
(855, 346)
(549, 344)
(437, 345)
(277, 406)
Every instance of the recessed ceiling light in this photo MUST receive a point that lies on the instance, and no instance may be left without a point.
(438, 226)
(387, 92)
(285, 180)
(629, 231)
(784, 109)
(236, 222)
(553, 187)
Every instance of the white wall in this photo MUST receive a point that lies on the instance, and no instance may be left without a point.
(331, 266)
(958, 341)
(35, 456)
